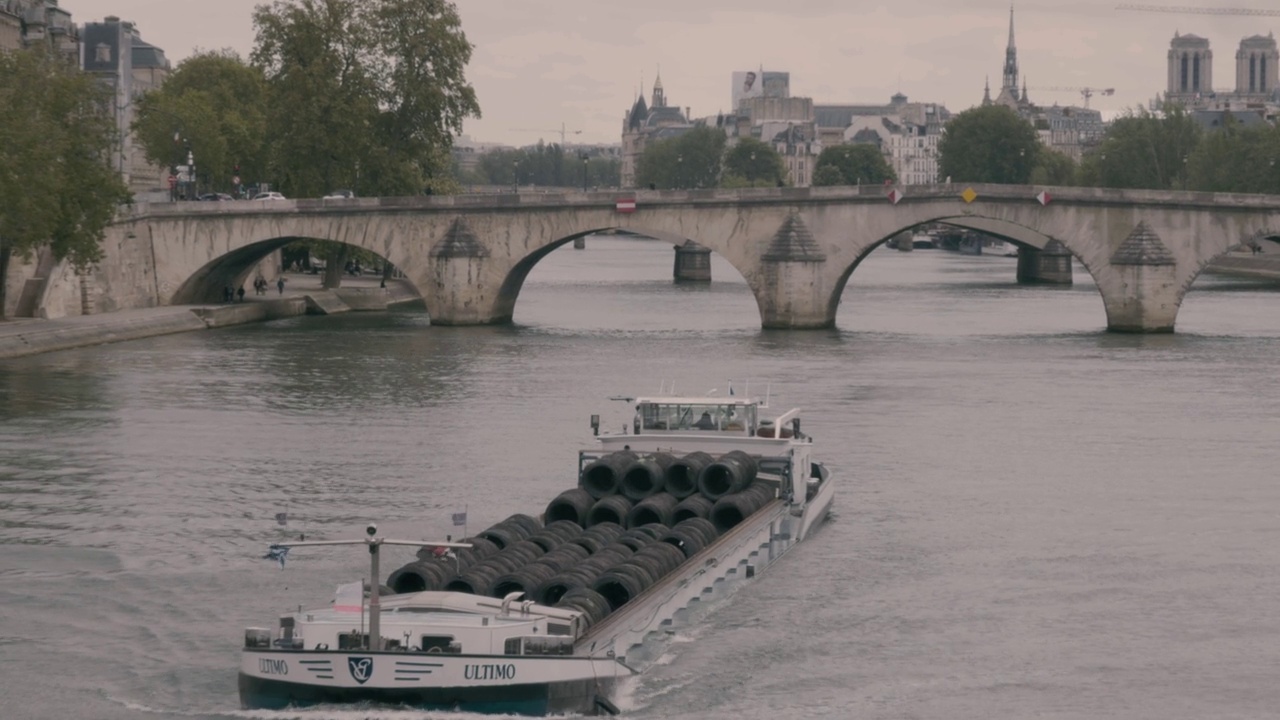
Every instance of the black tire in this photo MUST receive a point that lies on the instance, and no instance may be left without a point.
(682, 473)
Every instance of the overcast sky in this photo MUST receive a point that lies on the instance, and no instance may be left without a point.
(540, 63)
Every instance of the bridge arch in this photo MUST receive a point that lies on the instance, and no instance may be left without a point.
(1014, 232)
(233, 268)
(513, 282)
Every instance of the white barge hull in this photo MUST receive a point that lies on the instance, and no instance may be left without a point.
(271, 679)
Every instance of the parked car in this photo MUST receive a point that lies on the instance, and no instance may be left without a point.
(216, 196)
(270, 195)
(340, 195)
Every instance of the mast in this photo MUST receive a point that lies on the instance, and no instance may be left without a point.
(374, 543)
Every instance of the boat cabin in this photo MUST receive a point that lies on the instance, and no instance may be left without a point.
(431, 622)
(730, 416)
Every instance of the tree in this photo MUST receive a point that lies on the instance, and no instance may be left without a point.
(691, 160)
(1145, 150)
(856, 164)
(1237, 159)
(752, 163)
(363, 94)
(989, 144)
(1053, 168)
(59, 184)
(213, 105)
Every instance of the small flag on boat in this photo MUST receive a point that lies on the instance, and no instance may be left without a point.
(277, 553)
(349, 597)
(730, 388)
(460, 519)
(282, 518)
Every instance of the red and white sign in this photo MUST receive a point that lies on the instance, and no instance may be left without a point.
(1043, 198)
(894, 196)
(626, 205)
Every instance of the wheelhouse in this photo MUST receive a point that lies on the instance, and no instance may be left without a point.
(672, 415)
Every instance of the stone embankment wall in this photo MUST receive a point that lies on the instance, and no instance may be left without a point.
(125, 279)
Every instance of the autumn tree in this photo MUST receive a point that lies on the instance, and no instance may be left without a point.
(58, 174)
(989, 144)
(854, 164)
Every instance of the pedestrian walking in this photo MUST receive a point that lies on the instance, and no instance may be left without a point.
(227, 295)
(280, 285)
(240, 292)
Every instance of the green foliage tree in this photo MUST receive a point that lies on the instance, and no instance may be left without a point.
(855, 164)
(990, 144)
(1144, 150)
(543, 165)
(1237, 159)
(57, 146)
(752, 163)
(827, 175)
(365, 94)
(691, 160)
(213, 105)
(1053, 168)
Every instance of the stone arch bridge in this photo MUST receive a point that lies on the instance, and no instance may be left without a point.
(468, 255)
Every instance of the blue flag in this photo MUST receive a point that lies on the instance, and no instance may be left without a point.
(460, 519)
(282, 518)
(277, 553)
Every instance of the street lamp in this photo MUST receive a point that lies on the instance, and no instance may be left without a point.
(679, 171)
(585, 160)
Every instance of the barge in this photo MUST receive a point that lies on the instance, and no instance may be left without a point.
(549, 614)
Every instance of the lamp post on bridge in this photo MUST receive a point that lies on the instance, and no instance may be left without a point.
(585, 161)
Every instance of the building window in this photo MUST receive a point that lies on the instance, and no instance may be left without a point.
(102, 53)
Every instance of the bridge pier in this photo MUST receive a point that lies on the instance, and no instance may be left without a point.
(1142, 293)
(1050, 266)
(692, 263)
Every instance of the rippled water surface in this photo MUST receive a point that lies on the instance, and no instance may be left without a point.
(1035, 518)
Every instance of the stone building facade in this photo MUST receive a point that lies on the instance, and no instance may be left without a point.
(115, 53)
(645, 124)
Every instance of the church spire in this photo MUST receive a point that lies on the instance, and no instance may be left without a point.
(986, 92)
(659, 98)
(1011, 62)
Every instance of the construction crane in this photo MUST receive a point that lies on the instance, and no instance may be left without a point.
(562, 132)
(1191, 10)
(1085, 92)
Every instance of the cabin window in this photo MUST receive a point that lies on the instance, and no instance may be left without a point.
(548, 646)
(353, 641)
(436, 643)
(558, 629)
(733, 417)
(511, 646)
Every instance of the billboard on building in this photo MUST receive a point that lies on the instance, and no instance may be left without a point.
(758, 83)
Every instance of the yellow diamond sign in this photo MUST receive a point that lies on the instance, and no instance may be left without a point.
(969, 195)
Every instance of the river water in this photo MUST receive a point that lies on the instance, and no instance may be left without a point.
(1035, 518)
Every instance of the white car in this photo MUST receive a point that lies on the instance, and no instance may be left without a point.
(271, 195)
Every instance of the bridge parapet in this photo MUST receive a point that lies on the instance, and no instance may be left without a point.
(796, 247)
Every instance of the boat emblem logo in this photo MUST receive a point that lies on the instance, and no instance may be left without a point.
(361, 668)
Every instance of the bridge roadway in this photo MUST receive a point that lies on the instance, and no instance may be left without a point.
(469, 255)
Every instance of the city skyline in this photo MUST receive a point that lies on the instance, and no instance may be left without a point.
(542, 64)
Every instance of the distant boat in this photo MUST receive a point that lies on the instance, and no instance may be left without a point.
(924, 242)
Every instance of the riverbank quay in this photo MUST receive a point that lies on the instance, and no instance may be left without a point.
(1262, 266)
(25, 336)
